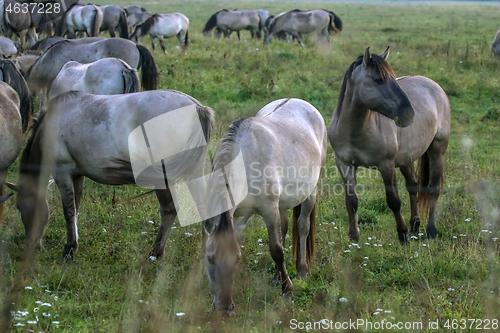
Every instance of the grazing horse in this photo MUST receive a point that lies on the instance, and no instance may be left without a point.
(15, 116)
(108, 76)
(9, 48)
(83, 135)
(20, 24)
(134, 19)
(278, 156)
(387, 123)
(296, 23)
(80, 18)
(114, 17)
(228, 21)
(46, 43)
(46, 68)
(164, 26)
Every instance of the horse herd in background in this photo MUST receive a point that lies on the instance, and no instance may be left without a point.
(90, 103)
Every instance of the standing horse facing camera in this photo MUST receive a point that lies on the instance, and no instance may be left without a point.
(226, 21)
(164, 26)
(278, 156)
(108, 76)
(390, 123)
(80, 18)
(83, 135)
(297, 23)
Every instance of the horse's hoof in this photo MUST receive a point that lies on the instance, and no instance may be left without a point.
(354, 237)
(431, 233)
(403, 238)
(415, 225)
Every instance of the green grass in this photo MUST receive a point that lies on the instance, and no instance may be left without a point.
(112, 286)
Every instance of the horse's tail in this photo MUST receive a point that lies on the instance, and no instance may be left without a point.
(335, 22)
(149, 72)
(186, 42)
(423, 178)
(311, 238)
(123, 25)
(95, 25)
(60, 28)
(130, 80)
(260, 26)
(14, 79)
(46, 25)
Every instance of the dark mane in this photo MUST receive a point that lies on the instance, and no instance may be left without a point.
(14, 79)
(41, 56)
(224, 152)
(24, 168)
(212, 21)
(147, 25)
(377, 62)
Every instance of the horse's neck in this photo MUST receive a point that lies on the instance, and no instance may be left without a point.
(353, 116)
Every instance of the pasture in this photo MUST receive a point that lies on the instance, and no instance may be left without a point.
(113, 286)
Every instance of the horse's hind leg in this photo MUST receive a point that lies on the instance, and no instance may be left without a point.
(112, 32)
(152, 42)
(284, 230)
(408, 172)
(168, 214)
(305, 228)
(348, 173)
(160, 38)
(324, 33)
(272, 218)
(388, 172)
(298, 38)
(64, 182)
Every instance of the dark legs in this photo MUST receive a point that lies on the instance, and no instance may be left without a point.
(348, 173)
(391, 191)
(168, 214)
(436, 165)
(304, 227)
(408, 172)
(284, 230)
(112, 32)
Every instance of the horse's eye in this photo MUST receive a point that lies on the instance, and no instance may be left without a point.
(379, 80)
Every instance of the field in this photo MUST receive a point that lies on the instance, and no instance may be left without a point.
(112, 286)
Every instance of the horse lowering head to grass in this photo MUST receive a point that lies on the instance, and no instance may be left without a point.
(297, 23)
(226, 21)
(386, 123)
(287, 134)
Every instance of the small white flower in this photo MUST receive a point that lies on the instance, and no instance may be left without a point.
(256, 261)
(152, 258)
(343, 300)
(151, 222)
(259, 253)
(140, 301)
(369, 238)
(424, 244)
(104, 229)
(188, 234)
(31, 321)
(454, 237)
(29, 288)
(19, 324)
(376, 313)
(46, 304)
(259, 240)
(55, 322)
(467, 220)
(463, 235)
(414, 237)
(387, 311)
(451, 289)
(35, 310)
(144, 232)
(367, 243)
(38, 302)
(180, 314)
(420, 234)
(347, 251)
(484, 230)
(46, 314)
(379, 310)
(366, 258)
(380, 245)
(331, 243)
(495, 239)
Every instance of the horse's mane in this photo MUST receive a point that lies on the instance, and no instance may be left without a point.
(14, 79)
(24, 168)
(212, 21)
(41, 57)
(273, 23)
(37, 44)
(147, 25)
(377, 62)
(224, 153)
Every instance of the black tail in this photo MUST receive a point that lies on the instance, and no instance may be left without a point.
(94, 22)
(130, 80)
(123, 25)
(259, 32)
(60, 28)
(335, 22)
(149, 72)
(13, 78)
(186, 42)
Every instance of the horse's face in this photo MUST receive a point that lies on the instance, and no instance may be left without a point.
(222, 254)
(34, 213)
(381, 94)
(267, 37)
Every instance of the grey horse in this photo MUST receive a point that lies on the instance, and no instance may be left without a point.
(78, 18)
(108, 76)
(226, 21)
(18, 23)
(46, 43)
(386, 123)
(297, 23)
(46, 68)
(8, 47)
(83, 135)
(114, 18)
(277, 156)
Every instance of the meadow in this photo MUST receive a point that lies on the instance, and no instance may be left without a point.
(113, 286)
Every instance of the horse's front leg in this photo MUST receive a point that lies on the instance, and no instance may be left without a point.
(408, 172)
(238, 34)
(388, 172)
(272, 218)
(152, 42)
(298, 38)
(64, 182)
(160, 38)
(284, 230)
(324, 32)
(168, 214)
(348, 173)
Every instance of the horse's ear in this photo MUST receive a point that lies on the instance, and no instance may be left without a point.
(385, 54)
(367, 57)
